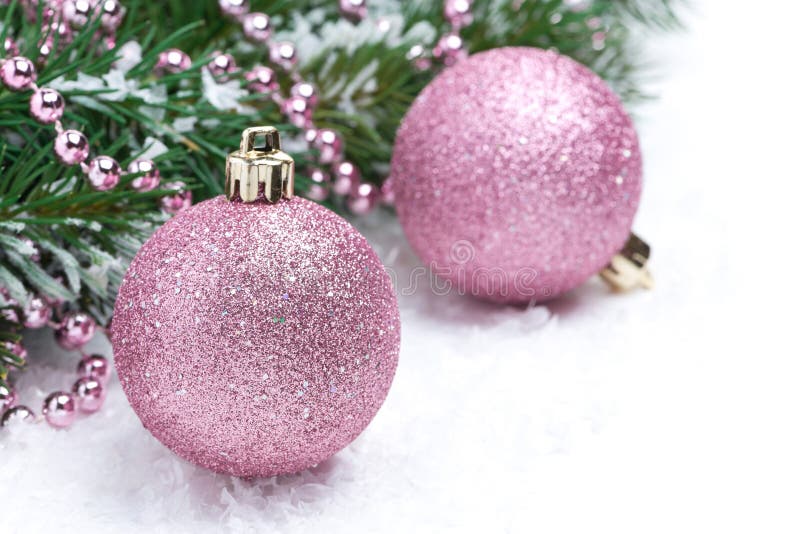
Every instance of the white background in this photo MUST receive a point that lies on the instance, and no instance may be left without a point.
(669, 411)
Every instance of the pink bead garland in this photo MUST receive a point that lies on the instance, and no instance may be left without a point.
(71, 147)
(298, 107)
(88, 393)
(47, 105)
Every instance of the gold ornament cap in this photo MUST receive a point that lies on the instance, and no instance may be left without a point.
(248, 170)
(628, 269)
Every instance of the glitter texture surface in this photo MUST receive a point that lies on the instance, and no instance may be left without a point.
(517, 175)
(256, 339)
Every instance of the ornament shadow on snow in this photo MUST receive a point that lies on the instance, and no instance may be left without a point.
(626, 271)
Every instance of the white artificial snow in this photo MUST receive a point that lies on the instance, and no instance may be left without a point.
(113, 86)
(184, 124)
(343, 34)
(344, 90)
(224, 95)
(130, 55)
(153, 148)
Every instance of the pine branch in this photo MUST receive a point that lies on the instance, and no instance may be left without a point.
(85, 238)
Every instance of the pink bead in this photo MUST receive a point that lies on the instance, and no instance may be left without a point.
(222, 66)
(297, 111)
(75, 331)
(62, 31)
(234, 8)
(450, 49)
(354, 10)
(89, 394)
(37, 313)
(320, 185)
(387, 192)
(172, 61)
(257, 27)
(111, 14)
(77, 13)
(71, 147)
(307, 92)
(8, 397)
(363, 199)
(178, 202)
(104, 173)
(94, 366)
(59, 409)
(310, 135)
(458, 12)
(18, 73)
(47, 105)
(283, 54)
(18, 414)
(419, 57)
(10, 47)
(347, 179)
(150, 177)
(45, 49)
(17, 349)
(261, 80)
(330, 146)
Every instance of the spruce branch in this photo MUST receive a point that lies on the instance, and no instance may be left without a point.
(191, 121)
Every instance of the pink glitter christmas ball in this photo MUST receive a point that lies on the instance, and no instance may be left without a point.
(517, 174)
(256, 339)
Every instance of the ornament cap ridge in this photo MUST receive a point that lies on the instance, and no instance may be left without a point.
(266, 173)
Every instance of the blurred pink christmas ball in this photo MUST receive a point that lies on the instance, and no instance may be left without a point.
(256, 339)
(517, 174)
